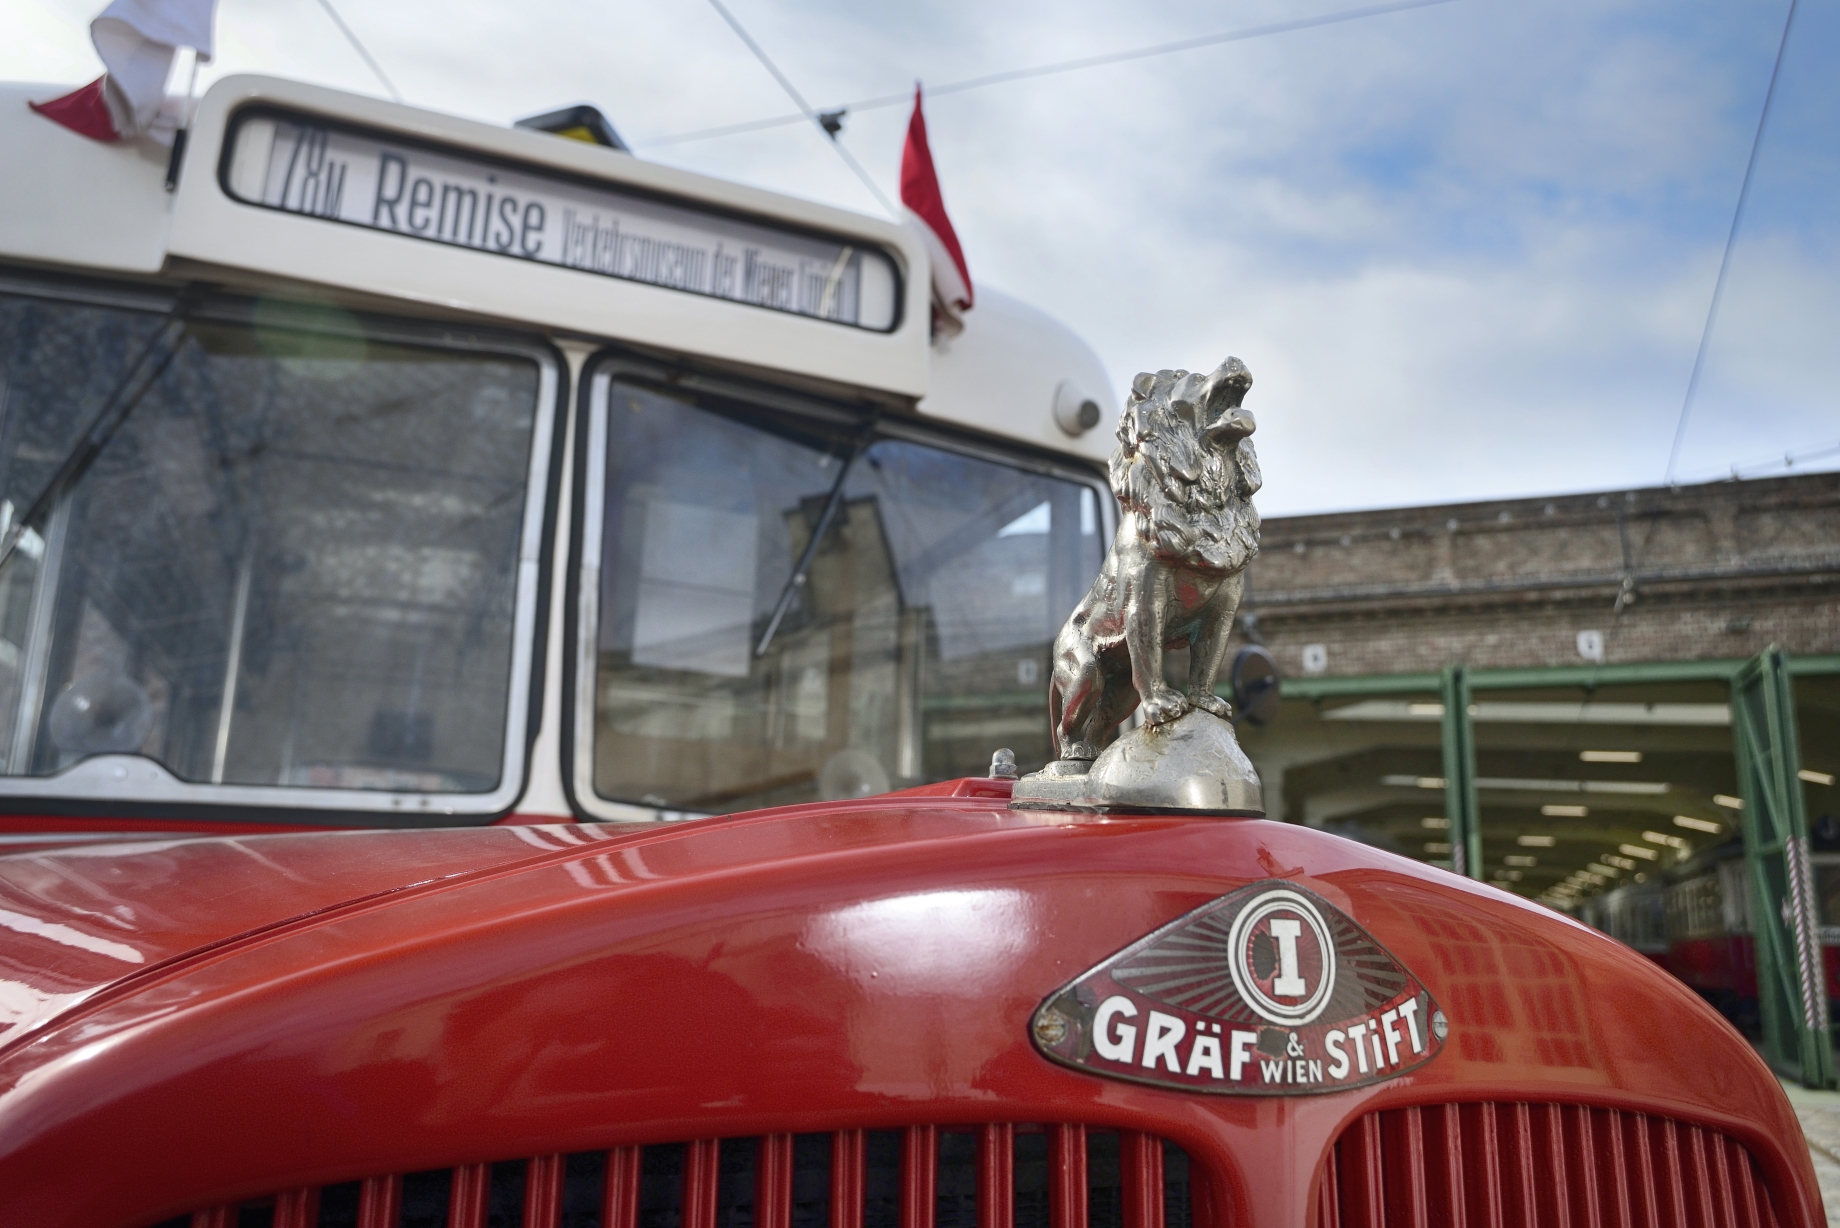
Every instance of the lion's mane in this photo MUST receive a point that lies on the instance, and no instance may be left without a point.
(1193, 498)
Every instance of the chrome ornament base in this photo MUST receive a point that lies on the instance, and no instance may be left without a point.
(1192, 764)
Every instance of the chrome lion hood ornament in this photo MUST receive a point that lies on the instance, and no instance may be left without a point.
(1185, 474)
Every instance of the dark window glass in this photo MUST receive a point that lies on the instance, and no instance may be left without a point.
(584, 1184)
(424, 1198)
(882, 1179)
(1031, 1177)
(661, 1186)
(811, 1181)
(915, 642)
(505, 1195)
(956, 1195)
(294, 561)
(735, 1164)
(338, 1205)
(1104, 1181)
(1827, 891)
(1177, 1207)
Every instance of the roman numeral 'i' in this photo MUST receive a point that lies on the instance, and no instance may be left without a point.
(1287, 983)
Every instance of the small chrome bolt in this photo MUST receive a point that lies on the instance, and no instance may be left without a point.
(1051, 1028)
(1003, 765)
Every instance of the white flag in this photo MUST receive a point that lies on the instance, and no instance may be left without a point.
(138, 41)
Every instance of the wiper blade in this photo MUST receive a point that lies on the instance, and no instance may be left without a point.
(147, 367)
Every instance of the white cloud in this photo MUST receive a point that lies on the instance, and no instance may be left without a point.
(42, 41)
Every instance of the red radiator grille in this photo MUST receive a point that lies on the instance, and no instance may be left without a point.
(999, 1176)
(1522, 1165)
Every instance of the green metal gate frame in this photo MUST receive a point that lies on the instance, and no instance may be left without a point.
(1461, 806)
(1791, 976)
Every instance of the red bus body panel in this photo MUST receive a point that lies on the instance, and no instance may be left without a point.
(204, 1020)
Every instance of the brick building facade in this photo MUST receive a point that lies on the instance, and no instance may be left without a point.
(1717, 571)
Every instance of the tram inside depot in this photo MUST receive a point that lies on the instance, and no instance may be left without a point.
(273, 546)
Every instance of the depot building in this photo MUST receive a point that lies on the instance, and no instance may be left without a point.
(1601, 701)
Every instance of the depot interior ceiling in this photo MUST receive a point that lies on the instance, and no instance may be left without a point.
(1580, 788)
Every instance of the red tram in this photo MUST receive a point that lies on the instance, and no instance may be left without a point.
(1695, 921)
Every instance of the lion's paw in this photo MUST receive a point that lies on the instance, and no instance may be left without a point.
(1164, 706)
(1209, 702)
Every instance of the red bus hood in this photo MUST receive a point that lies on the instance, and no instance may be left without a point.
(76, 922)
(318, 1008)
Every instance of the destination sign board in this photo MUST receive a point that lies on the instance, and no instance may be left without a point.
(362, 178)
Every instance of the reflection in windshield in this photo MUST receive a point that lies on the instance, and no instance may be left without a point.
(294, 563)
(62, 366)
(916, 645)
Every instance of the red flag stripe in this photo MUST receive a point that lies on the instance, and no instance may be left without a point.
(82, 110)
(920, 193)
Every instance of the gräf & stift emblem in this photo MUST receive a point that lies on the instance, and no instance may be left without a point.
(1267, 991)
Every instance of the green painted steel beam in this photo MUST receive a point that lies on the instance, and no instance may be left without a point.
(1537, 676)
(1822, 664)
(1791, 970)
(1533, 677)
(1364, 684)
(1635, 672)
(1461, 806)
(1785, 912)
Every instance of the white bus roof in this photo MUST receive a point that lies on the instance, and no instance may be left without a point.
(73, 203)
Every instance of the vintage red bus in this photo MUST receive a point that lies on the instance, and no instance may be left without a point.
(369, 469)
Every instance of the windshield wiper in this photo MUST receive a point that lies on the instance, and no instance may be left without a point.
(147, 367)
(796, 580)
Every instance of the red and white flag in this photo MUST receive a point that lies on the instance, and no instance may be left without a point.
(137, 40)
(927, 210)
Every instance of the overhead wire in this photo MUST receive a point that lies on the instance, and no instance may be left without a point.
(352, 38)
(1022, 74)
(1790, 460)
(1738, 471)
(805, 111)
(1731, 236)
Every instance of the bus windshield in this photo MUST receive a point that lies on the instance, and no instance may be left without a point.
(787, 609)
(268, 549)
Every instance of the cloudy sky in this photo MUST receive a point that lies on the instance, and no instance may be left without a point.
(1467, 249)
